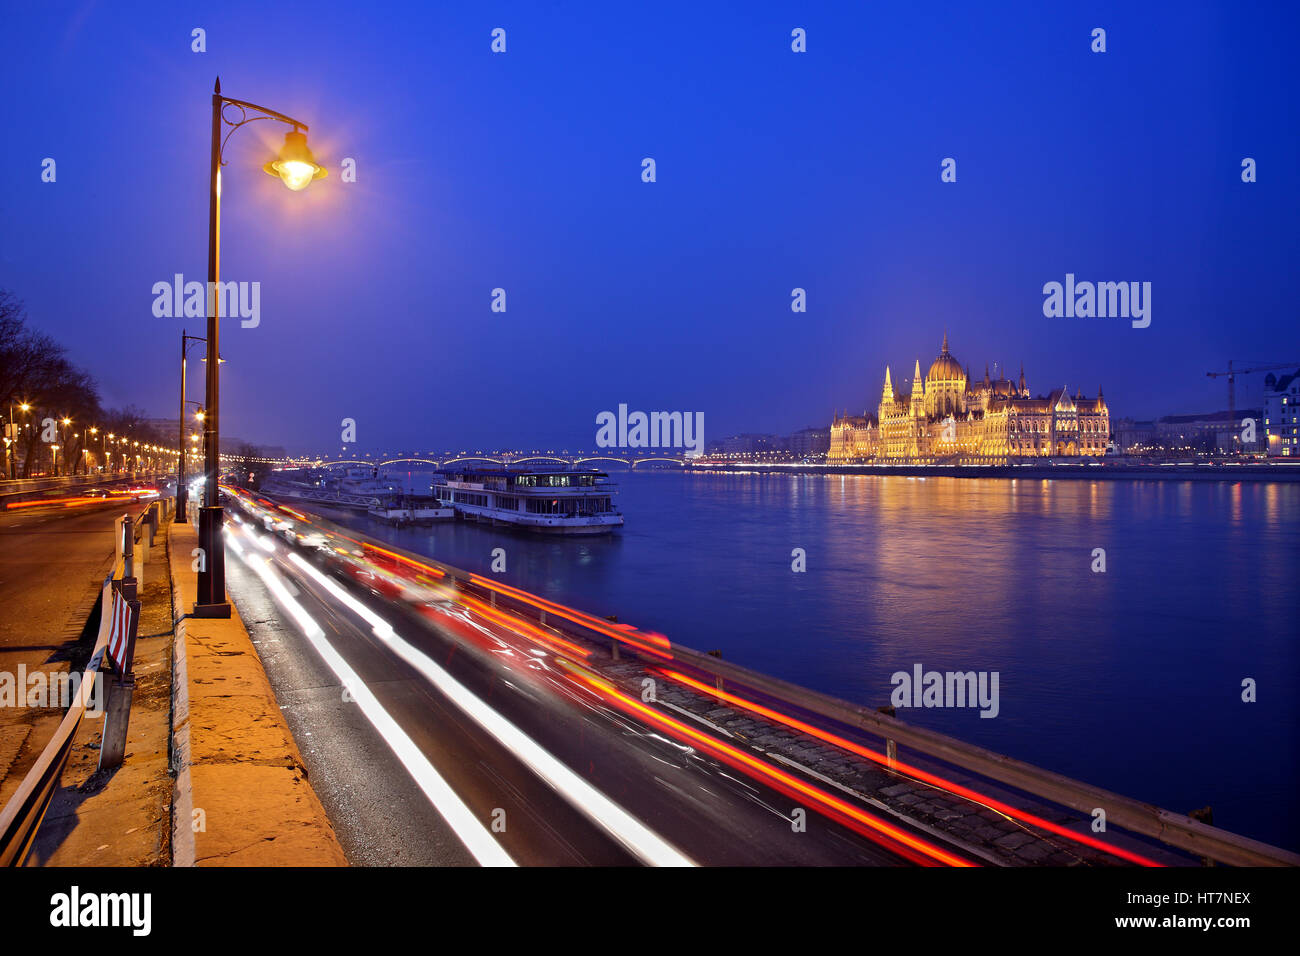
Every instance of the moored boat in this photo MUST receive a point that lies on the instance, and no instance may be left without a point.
(552, 502)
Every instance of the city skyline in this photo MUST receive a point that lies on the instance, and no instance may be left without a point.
(377, 295)
(1251, 391)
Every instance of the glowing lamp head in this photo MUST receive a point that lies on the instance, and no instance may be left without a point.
(295, 166)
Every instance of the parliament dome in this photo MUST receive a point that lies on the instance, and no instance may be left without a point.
(945, 368)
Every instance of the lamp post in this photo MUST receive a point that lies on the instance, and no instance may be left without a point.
(63, 437)
(11, 443)
(23, 407)
(297, 168)
(182, 493)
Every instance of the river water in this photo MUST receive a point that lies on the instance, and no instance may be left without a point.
(1130, 679)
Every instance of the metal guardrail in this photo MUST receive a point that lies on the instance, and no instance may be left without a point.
(1173, 829)
(22, 815)
(1170, 828)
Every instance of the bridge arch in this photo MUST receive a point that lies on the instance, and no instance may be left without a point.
(563, 461)
(623, 461)
(423, 461)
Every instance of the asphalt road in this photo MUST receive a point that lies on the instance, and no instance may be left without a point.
(569, 781)
(53, 559)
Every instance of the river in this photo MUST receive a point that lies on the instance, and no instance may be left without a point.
(1130, 679)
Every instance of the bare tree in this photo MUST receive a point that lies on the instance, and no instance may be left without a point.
(63, 400)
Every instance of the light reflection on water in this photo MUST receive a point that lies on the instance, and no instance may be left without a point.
(1128, 679)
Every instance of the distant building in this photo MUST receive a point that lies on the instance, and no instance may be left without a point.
(1281, 396)
(749, 444)
(1132, 437)
(166, 430)
(167, 426)
(808, 442)
(950, 415)
(1207, 432)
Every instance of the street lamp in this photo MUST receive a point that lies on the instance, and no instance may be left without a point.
(297, 168)
(11, 442)
(182, 493)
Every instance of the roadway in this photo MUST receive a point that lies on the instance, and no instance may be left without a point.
(456, 721)
(53, 559)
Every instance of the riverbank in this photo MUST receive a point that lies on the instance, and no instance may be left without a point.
(1097, 471)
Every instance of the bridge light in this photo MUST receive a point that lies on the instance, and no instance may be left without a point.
(296, 166)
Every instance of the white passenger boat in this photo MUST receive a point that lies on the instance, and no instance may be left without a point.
(410, 511)
(553, 502)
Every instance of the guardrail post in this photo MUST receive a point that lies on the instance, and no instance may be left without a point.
(127, 545)
(153, 518)
(891, 745)
(121, 690)
(1204, 815)
(717, 678)
(118, 550)
(142, 556)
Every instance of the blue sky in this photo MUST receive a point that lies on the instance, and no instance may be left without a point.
(775, 170)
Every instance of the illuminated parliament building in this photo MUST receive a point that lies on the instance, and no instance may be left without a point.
(951, 416)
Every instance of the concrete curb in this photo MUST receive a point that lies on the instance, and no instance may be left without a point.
(182, 795)
(241, 795)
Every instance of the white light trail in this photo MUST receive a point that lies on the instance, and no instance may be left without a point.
(613, 819)
(477, 839)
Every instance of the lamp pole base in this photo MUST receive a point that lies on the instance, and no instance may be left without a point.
(211, 599)
(211, 610)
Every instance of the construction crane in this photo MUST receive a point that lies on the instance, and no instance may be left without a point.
(1232, 374)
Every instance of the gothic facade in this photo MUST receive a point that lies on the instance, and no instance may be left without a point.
(949, 416)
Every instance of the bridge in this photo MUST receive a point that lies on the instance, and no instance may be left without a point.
(503, 460)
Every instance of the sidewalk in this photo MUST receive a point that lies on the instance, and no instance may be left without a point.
(122, 817)
(242, 796)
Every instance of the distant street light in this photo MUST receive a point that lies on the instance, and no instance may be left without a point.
(297, 168)
(11, 446)
(182, 492)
